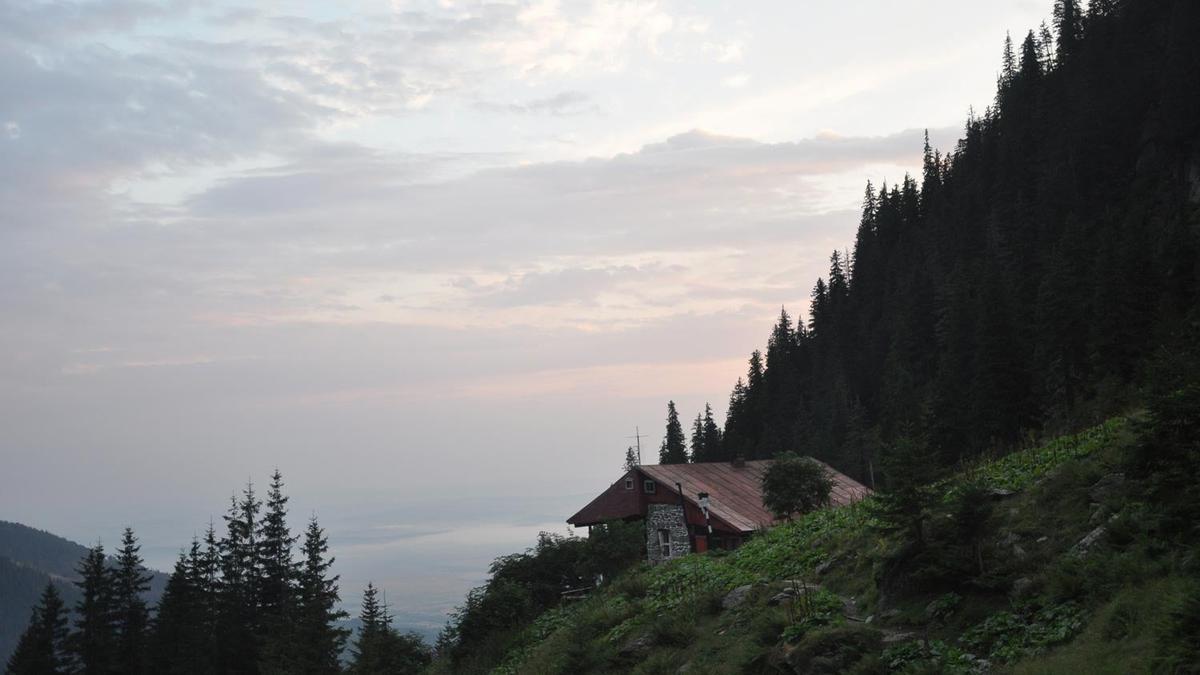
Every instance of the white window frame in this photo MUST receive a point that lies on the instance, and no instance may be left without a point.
(649, 487)
(664, 543)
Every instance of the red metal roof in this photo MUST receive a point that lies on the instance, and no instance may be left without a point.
(734, 493)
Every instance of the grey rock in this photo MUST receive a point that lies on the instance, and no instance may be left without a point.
(637, 645)
(1089, 540)
(1008, 538)
(1018, 552)
(890, 614)
(999, 493)
(893, 636)
(1043, 539)
(780, 598)
(825, 566)
(736, 597)
(1108, 486)
(1021, 587)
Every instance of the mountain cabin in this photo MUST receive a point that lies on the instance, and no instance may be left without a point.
(681, 502)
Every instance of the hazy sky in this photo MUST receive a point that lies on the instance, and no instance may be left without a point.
(434, 260)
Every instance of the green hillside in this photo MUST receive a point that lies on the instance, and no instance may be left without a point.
(1072, 575)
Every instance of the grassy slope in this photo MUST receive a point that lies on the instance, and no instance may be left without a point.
(1074, 613)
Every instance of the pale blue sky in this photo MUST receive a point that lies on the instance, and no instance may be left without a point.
(408, 252)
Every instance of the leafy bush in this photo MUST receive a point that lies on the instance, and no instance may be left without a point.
(793, 484)
(810, 610)
(944, 606)
(1005, 636)
(834, 649)
(1179, 639)
(672, 630)
(933, 656)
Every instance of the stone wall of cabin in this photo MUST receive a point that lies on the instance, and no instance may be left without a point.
(665, 517)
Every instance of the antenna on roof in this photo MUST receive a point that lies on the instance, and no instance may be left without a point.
(638, 435)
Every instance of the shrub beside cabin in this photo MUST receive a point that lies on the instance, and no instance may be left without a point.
(670, 499)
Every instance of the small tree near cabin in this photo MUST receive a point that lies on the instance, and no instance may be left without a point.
(793, 484)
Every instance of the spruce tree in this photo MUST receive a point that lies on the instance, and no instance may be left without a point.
(712, 436)
(374, 623)
(274, 552)
(380, 650)
(236, 627)
(176, 647)
(130, 581)
(903, 506)
(631, 459)
(1008, 66)
(42, 648)
(674, 448)
(319, 641)
(699, 452)
(93, 643)
(1068, 21)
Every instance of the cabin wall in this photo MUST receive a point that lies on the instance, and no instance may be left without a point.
(660, 517)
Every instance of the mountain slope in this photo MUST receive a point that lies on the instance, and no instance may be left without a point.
(29, 558)
(1068, 559)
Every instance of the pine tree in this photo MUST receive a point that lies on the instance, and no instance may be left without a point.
(712, 436)
(130, 581)
(93, 642)
(273, 562)
(237, 598)
(1045, 48)
(374, 623)
(1068, 21)
(42, 648)
(380, 650)
(674, 448)
(699, 452)
(902, 507)
(176, 644)
(631, 459)
(319, 641)
(1008, 64)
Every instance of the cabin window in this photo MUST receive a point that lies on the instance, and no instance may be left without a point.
(664, 543)
(648, 486)
(628, 483)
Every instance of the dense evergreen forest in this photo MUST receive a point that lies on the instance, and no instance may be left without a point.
(256, 599)
(1021, 282)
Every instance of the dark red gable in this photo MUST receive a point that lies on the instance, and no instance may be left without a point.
(735, 495)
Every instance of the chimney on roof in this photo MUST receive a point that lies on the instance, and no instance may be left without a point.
(739, 461)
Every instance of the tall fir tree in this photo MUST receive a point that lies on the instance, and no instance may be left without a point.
(674, 447)
(276, 569)
(712, 436)
(42, 648)
(379, 649)
(319, 640)
(631, 459)
(93, 642)
(176, 647)
(130, 582)
(236, 629)
(699, 451)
